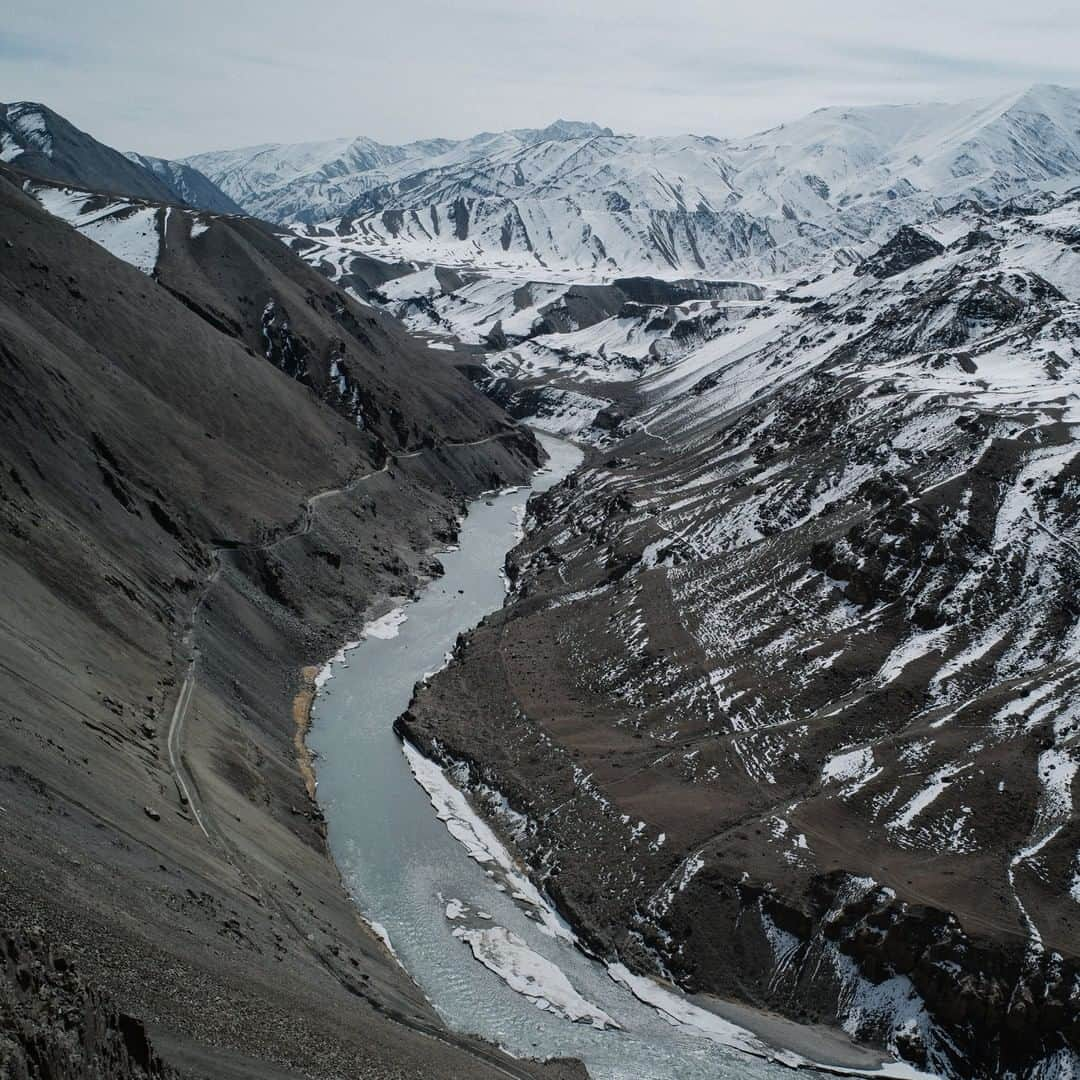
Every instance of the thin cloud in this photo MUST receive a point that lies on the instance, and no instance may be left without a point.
(241, 72)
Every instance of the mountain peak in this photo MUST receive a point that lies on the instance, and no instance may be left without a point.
(28, 124)
(572, 129)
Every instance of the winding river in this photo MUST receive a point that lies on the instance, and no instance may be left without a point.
(488, 954)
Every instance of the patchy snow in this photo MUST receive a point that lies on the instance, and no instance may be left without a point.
(479, 840)
(125, 229)
(382, 934)
(921, 801)
(848, 765)
(528, 973)
(694, 1020)
(9, 148)
(387, 626)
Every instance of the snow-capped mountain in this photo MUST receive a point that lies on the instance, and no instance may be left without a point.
(308, 182)
(38, 141)
(188, 184)
(789, 670)
(671, 206)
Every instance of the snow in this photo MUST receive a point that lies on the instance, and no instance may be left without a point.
(922, 800)
(479, 840)
(29, 121)
(848, 765)
(833, 181)
(326, 673)
(9, 148)
(528, 973)
(680, 1012)
(125, 229)
(386, 627)
(422, 283)
(382, 934)
(1057, 770)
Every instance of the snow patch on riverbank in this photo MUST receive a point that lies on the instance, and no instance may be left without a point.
(387, 627)
(480, 841)
(383, 935)
(694, 1020)
(528, 973)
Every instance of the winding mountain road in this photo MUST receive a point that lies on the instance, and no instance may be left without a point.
(174, 741)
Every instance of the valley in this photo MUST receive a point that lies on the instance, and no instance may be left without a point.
(781, 706)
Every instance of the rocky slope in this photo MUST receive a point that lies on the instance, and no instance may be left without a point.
(213, 463)
(53, 1024)
(787, 688)
(188, 184)
(40, 142)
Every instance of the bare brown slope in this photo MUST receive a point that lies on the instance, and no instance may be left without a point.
(787, 684)
(157, 486)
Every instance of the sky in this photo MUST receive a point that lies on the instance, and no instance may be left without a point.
(177, 79)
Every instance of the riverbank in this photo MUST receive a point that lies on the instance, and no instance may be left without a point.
(301, 712)
(485, 838)
(486, 947)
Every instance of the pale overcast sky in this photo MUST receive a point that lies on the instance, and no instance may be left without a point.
(174, 79)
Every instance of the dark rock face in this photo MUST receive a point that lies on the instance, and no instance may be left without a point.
(906, 249)
(608, 419)
(187, 184)
(162, 545)
(42, 143)
(55, 149)
(54, 1026)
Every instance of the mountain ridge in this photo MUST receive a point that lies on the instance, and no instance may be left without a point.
(672, 205)
(37, 140)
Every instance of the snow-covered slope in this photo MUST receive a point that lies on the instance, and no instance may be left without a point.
(188, 184)
(589, 200)
(697, 205)
(307, 182)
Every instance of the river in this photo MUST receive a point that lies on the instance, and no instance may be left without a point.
(415, 881)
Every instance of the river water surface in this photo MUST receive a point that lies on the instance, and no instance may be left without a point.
(404, 869)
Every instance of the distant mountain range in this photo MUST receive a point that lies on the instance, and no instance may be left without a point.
(574, 196)
(578, 196)
(309, 182)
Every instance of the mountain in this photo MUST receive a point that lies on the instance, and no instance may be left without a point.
(788, 678)
(309, 182)
(187, 184)
(38, 141)
(782, 705)
(214, 462)
(691, 205)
